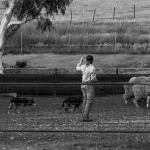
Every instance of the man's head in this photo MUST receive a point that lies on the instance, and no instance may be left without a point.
(89, 60)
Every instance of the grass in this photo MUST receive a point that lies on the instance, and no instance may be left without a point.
(38, 141)
(95, 37)
(85, 36)
(70, 61)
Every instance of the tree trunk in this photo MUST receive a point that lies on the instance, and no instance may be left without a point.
(3, 28)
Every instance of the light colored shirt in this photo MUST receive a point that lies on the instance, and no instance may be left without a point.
(88, 72)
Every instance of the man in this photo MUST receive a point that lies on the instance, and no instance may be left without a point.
(88, 76)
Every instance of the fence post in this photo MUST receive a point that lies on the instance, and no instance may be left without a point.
(120, 23)
(83, 15)
(117, 71)
(71, 18)
(94, 14)
(56, 71)
(114, 13)
(115, 43)
(134, 11)
(21, 42)
(69, 43)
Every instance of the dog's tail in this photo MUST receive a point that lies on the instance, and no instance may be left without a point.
(62, 105)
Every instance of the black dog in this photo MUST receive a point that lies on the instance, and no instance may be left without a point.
(20, 101)
(76, 101)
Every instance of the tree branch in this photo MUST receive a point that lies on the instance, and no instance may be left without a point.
(11, 30)
(13, 26)
(16, 23)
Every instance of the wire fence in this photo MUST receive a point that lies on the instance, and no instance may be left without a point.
(109, 112)
(107, 29)
(86, 13)
(114, 122)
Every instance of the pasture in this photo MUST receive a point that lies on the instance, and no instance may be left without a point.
(108, 113)
(87, 36)
(69, 62)
(123, 35)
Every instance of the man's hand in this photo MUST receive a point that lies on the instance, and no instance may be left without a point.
(78, 68)
(82, 59)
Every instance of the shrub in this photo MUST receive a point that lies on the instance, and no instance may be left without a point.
(21, 64)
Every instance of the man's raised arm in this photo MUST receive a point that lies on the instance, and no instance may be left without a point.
(78, 67)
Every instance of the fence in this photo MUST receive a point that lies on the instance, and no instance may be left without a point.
(93, 29)
(109, 112)
(113, 121)
(101, 12)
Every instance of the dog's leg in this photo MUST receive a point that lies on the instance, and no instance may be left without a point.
(75, 107)
(24, 108)
(10, 107)
(17, 109)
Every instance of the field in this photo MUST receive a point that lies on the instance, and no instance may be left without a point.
(108, 113)
(130, 34)
(124, 35)
(98, 38)
(70, 61)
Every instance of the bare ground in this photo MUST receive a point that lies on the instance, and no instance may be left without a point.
(108, 113)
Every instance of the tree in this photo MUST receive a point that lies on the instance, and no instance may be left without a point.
(25, 11)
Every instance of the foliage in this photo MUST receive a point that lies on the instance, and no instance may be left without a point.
(31, 9)
(21, 64)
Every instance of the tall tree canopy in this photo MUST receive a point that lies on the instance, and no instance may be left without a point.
(25, 11)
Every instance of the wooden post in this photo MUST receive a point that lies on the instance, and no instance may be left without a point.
(120, 23)
(134, 11)
(115, 43)
(114, 13)
(69, 44)
(117, 71)
(83, 15)
(94, 14)
(21, 42)
(71, 18)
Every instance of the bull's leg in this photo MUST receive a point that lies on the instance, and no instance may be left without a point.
(135, 102)
(148, 101)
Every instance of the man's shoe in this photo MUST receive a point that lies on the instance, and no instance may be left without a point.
(87, 120)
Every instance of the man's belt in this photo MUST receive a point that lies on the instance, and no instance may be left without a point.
(87, 82)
